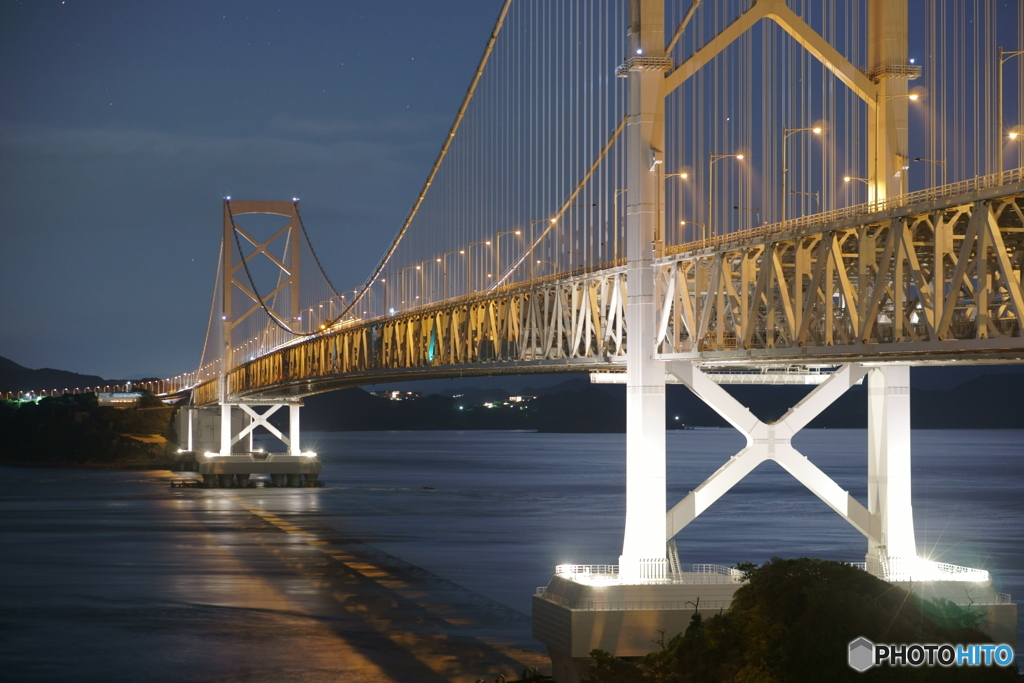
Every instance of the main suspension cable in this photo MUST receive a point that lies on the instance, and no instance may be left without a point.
(437, 164)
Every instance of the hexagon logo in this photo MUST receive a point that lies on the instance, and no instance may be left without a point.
(862, 654)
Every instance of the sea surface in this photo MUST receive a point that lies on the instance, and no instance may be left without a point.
(116, 576)
(503, 508)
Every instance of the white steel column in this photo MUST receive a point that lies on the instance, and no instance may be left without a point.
(191, 416)
(225, 429)
(643, 547)
(293, 428)
(889, 463)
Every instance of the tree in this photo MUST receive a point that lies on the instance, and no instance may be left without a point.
(793, 621)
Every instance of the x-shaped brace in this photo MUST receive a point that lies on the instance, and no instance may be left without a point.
(260, 421)
(769, 442)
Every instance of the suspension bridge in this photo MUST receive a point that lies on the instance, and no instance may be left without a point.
(739, 188)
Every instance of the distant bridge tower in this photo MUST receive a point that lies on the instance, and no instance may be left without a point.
(234, 457)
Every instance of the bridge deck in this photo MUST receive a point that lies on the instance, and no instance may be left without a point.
(933, 277)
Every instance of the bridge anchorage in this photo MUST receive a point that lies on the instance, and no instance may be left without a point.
(583, 224)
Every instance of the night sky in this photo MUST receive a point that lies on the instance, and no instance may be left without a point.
(123, 124)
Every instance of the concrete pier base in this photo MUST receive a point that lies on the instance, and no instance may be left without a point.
(998, 615)
(242, 465)
(572, 619)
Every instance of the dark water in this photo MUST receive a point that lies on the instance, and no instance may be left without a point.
(507, 507)
(112, 576)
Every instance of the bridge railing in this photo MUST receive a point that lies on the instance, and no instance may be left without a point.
(958, 188)
(592, 574)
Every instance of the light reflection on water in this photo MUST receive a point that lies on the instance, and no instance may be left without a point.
(506, 507)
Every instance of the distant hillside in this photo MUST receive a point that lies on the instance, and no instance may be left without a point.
(992, 401)
(14, 377)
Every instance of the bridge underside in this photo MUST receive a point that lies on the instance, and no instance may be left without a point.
(300, 388)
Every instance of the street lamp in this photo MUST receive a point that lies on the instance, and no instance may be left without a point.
(786, 133)
(712, 158)
(469, 249)
(848, 178)
(573, 238)
(384, 282)
(816, 195)
(879, 101)
(405, 292)
(550, 263)
(1016, 136)
(756, 210)
(497, 248)
(615, 224)
(1003, 56)
(941, 163)
(444, 272)
(534, 221)
(703, 228)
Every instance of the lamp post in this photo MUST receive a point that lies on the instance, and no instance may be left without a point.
(682, 175)
(497, 248)
(422, 296)
(941, 163)
(703, 228)
(786, 133)
(712, 158)
(756, 210)
(444, 272)
(534, 221)
(569, 246)
(384, 282)
(405, 290)
(1003, 56)
(816, 195)
(469, 250)
(879, 101)
(1016, 136)
(550, 263)
(848, 178)
(615, 225)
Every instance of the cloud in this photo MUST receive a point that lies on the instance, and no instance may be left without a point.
(313, 127)
(36, 144)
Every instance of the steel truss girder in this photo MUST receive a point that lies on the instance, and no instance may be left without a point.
(579, 319)
(934, 281)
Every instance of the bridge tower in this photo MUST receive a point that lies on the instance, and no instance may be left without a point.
(228, 455)
(649, 576)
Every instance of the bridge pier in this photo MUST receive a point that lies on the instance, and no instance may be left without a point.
(217, 442)
(889, 495)
(615, 609)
